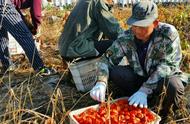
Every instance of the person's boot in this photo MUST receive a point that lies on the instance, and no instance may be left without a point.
(46, 71)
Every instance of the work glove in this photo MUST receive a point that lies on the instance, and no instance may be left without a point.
(140, 98)
(98, 91)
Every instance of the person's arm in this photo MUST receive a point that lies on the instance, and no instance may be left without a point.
(35, 12)
(106, 21)
(169, 60)
(112, 57)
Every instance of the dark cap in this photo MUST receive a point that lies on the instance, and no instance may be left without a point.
(144, 13)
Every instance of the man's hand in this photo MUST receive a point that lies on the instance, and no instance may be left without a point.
(140, 98)
(98, 91)
(36, 33)
(33, 30)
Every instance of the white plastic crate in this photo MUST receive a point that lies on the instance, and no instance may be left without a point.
(15, 48)
(84, 74)
(78, 111)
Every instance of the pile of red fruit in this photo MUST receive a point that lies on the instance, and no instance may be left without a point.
(119, 112)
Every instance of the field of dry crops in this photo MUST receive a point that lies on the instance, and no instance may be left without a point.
(25, 98)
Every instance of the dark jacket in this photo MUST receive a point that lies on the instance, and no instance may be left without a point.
(83, 27)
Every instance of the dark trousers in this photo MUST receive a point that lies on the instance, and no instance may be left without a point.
(13, 23)
(168, 93)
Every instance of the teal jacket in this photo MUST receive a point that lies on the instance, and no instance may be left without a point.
(87, 21)
(162, 59)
